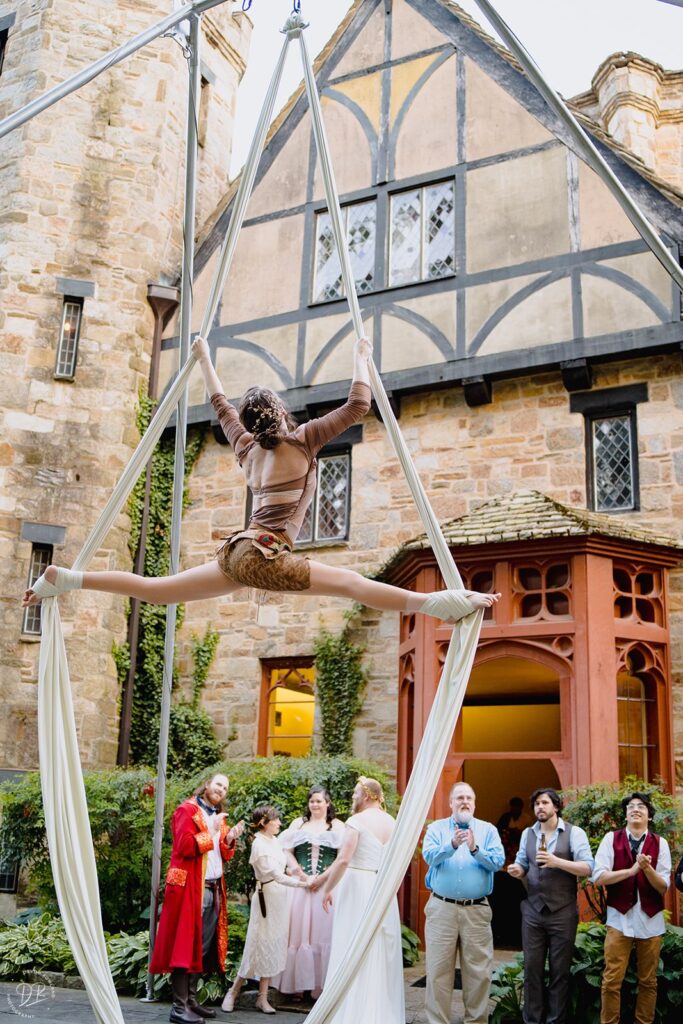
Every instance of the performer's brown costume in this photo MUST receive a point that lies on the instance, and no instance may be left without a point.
(282, 482)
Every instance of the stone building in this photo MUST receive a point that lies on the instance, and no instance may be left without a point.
(91, 196)
(531, 345)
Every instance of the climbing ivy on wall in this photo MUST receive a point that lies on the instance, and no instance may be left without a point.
(340, 679)
(192, 743)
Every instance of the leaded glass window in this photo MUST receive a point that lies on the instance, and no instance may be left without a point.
(422, 243)
(67, 347)
(41, 556)
(327, 517)
(613, 454)
(359, 224)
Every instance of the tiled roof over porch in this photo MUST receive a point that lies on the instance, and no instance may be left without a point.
(530, 515)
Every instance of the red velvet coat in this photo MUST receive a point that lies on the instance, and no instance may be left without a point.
(179, 938)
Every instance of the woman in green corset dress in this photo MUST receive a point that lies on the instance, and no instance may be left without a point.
(310, 844)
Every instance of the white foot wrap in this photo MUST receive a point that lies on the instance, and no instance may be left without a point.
(449, 605)
(67, 579)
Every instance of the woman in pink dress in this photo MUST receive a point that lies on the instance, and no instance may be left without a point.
(310, 845)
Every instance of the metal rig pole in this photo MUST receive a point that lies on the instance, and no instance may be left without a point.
(584, 144)
(109, 60)
(178, 474)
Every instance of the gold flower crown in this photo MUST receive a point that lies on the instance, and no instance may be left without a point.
(376, 797)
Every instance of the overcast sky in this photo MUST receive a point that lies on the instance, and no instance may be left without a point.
(567, 38)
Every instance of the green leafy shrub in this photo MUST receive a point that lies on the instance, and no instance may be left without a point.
(410, 944)
(586, 978)
(506, 993)
(597, 810)
(121, 809)
(39, 945)
(128, 958)
(340, 679)
(191, 740)
(149, 665)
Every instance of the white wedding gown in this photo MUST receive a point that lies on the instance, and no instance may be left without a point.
(375, 995)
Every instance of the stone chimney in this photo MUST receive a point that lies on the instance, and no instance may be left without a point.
(640, 104)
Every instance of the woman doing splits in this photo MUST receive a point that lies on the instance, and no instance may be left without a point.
(278, 461)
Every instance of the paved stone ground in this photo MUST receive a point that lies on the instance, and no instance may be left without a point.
(71, 1006)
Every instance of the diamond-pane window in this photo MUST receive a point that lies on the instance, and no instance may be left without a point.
(613, 463)
(406, 237)
(41, 556)
(422, 245)
(69, 334)
(359, 224)
(327, 517)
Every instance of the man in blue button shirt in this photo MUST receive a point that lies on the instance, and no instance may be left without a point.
(463, 854)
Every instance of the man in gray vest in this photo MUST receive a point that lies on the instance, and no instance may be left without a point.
(552, 856)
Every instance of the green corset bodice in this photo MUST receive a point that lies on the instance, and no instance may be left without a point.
(303, 854)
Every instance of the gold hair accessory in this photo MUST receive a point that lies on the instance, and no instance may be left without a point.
(376, 797)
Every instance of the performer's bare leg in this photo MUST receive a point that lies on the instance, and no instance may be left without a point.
(198, 584)
(207, 581)
(331, 581)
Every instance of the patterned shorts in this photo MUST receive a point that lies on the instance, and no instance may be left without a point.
(245, 564)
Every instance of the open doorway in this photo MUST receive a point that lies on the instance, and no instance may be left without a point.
(509, 730)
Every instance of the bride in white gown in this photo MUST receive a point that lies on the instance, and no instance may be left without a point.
(375, 996)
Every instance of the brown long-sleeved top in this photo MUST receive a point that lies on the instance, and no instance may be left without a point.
(282, 479)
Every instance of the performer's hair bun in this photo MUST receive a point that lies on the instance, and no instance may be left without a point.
(261, 412)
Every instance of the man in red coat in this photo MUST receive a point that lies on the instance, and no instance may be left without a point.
(193, 929)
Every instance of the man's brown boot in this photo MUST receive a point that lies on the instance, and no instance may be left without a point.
(203, 1011)
(181, 1012)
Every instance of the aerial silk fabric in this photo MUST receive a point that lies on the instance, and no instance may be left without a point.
(66, 811)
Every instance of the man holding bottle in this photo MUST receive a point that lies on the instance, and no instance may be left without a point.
(552, 856)
(462, 854)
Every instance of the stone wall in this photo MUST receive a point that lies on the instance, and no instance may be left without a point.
(91, 189)
(527, 438)
(640, 104)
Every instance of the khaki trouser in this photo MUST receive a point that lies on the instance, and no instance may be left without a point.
(448, 928)
(617, 953)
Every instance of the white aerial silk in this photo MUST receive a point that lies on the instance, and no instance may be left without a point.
(66, 815)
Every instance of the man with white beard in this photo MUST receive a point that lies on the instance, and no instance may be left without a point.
(462, 854)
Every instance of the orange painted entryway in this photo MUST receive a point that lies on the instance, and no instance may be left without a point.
(571, 682)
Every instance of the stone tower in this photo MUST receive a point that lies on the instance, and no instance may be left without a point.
(91, 197)
(640, 104)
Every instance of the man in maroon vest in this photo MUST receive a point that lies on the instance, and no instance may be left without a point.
(635, 866)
